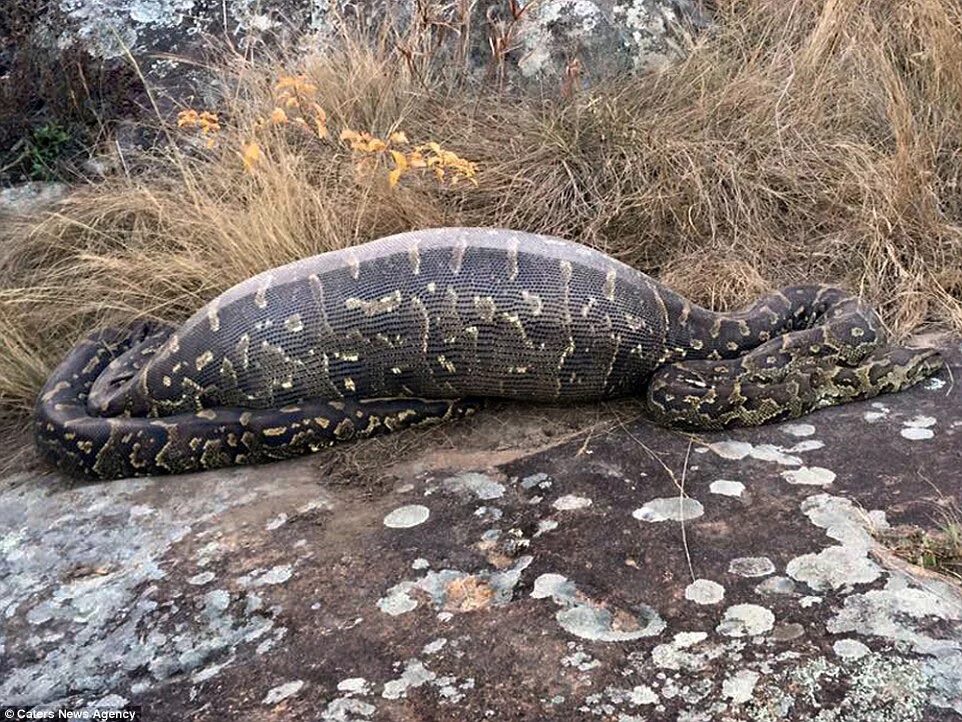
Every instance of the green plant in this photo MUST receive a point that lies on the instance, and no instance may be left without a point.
(46, 147)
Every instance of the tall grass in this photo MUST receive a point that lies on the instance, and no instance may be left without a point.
(816, 140)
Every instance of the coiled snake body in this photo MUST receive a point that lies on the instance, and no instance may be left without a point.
(409, 329)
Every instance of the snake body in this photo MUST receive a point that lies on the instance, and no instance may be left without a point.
(409, 329)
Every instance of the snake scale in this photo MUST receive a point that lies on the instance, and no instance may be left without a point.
(412, 328)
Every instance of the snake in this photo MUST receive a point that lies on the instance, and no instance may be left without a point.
(420, 327)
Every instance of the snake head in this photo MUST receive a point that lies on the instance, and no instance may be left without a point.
(116, 390)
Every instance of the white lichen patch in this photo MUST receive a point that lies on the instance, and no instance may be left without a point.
(879, 412)
(398, 600)
(344, 709)
(415, 675)
(798, 429)
(648, 26)
(918, 428)
(738, 450)
(450, 589)
(282, 692)
(751, 566)
(725, 487)
(673, 508)
(934, 384)
(217, 600)
(810, 476)
(276, 523)
(354, 685)
(740, 686)
(704, 591)
(481, 486)
(201, 579)
(686, 652)
(571, 502)
(776, 585)
(260, 578)
(544, 526)
(847, 564)
(587, 619)
(837, 567)
(434, 647)
(405, 517)
(746, 620)
(850, 649)
(538, 29)
(580, 660)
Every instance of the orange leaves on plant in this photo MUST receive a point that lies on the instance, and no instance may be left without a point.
(251, 154)
(206, 122)
(295, 86)
(294, 96)
(443, 163)
(400, 166)
(363, 142)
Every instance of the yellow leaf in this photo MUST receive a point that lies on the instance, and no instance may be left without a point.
(416, 160)
(211, 141)
(400, 160)
(376, 145)
(251, 154)
(292, 102)
(186, 117)
(394, 176)
(398, 136)
(321, 128)
(348, 134)
(278, 116)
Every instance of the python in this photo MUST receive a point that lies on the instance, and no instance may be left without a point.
(417, 328)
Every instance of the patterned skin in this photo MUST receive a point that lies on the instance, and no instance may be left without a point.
(408, 329)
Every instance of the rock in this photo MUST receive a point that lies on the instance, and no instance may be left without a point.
(183, 594)
(30, 197)
(541, 40)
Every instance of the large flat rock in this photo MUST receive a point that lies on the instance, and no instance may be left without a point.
(528, 564)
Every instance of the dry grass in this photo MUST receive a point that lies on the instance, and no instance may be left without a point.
(805, 140)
